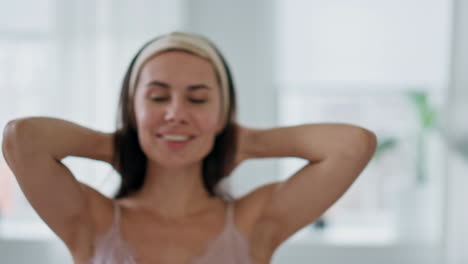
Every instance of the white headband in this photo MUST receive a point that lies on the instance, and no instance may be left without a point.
(190, 43)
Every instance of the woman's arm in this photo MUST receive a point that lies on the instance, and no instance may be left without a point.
(33, 149)
(60, 138)
(313, 142)
(337, 153)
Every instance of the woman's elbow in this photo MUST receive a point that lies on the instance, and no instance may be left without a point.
(367, 141)
(13, 135)
(362, 141)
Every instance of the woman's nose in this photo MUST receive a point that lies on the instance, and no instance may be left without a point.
(176, 112)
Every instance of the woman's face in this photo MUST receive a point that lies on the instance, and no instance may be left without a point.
(177, 108)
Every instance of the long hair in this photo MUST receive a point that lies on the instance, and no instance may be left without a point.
(131, 162)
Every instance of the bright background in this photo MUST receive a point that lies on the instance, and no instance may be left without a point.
(393, 66)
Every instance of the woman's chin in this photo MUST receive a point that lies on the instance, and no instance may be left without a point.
(176, 164)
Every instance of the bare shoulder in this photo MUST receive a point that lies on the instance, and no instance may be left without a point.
(251, 218)
(98, 222)
(249, 207)
(101, 209)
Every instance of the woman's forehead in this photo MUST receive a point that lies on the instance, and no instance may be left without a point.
(178, 68)
(178, 63)
(179, 59)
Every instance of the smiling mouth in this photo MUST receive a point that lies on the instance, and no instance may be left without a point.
(175, 138)
(176, 142)
(178, 138)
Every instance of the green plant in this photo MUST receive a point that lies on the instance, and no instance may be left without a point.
(385, 145)
(428, 120)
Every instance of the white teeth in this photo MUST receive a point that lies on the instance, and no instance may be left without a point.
(176, 137)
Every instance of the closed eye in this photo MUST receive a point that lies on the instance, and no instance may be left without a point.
(197, 101)
(162, 99)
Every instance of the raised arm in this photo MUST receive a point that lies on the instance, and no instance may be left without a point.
(337, 154)
(33, 148)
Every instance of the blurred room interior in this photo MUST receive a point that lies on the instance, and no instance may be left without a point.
(396, 67)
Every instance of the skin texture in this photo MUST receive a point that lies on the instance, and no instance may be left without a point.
(167, 101)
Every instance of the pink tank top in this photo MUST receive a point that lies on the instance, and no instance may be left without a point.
(229, 247)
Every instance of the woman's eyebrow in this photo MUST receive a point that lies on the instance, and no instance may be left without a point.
(198, 86)
(159, 83)
(190, 87)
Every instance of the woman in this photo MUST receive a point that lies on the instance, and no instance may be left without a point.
(177, 138)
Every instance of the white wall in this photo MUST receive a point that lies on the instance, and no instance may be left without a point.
(363, 41)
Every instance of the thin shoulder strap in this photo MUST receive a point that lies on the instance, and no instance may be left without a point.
(116, 220)
(229, 213)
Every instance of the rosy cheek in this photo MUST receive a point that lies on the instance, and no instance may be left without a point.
(144, 117)
(150, 118)
(211, 122)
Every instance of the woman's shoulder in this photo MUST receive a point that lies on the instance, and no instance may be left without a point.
(249, 207)
(98, 222)
(101, 209)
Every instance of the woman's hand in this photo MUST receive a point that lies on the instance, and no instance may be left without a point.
(241, 153)
(108, 148)
(243, 144)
